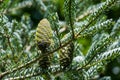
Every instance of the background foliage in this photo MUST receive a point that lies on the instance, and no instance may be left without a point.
(97, 47)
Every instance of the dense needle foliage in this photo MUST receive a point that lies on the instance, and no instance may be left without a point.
(86, 24)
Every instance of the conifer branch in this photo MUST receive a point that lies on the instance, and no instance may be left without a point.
(104, 57)
(96, 14)
(70, 14)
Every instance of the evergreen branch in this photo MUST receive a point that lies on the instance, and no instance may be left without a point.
(70, 14)
(95, 50)
(116, 27)
(88, 66)
(89, 11)
(105, 56)
(57, 31)
(31, 75)
(32, 61)
(98, 47)
(8, 40)
(92, 30)
(24, 77)
(9, 43)
(114, 45)
(110, 54)
(54, 22)
(96, 14)
(97, 28)
(93, 70)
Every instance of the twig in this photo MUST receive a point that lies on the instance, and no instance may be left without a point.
(24, 77)
(32, 75)
(56, 28)
(9, 43)
(71, 21)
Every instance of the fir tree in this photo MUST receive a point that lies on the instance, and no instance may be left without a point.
(82, 23)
